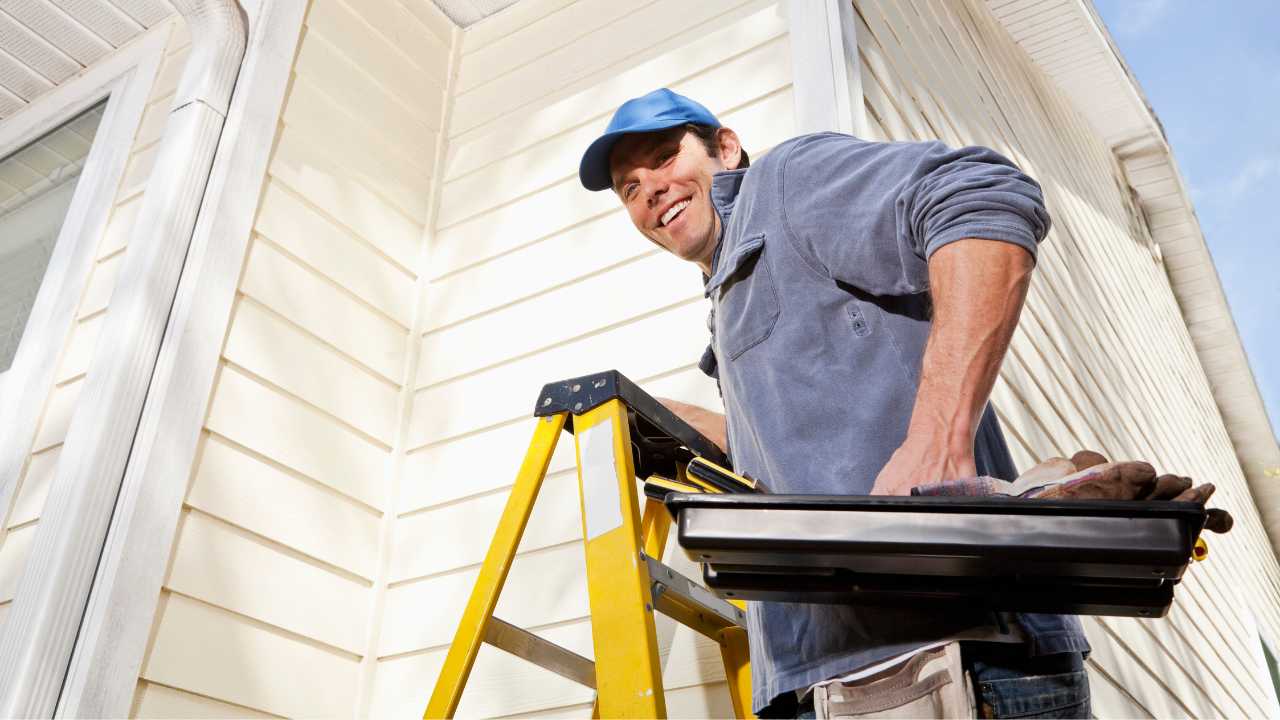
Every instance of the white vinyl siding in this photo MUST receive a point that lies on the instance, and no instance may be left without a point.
(1102, 357)
(267, 604)
(33, 485)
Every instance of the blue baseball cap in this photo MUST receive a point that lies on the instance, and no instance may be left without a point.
(659, 110)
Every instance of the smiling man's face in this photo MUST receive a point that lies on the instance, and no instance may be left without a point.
(664, 180)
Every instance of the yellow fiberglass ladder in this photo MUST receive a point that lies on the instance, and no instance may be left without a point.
(621, 433)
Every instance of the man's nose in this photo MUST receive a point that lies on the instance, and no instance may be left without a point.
(654, 188)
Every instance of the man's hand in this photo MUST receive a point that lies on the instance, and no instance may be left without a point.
(977, 287)
(922, 460)
(1131, 480)
(708, 422)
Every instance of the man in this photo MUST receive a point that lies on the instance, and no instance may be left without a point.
(863, 296)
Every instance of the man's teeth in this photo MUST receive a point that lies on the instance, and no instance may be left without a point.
(674, 210)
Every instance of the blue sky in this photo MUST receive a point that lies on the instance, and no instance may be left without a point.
(1211, 70)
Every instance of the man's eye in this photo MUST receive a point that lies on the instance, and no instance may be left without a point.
(628, 191)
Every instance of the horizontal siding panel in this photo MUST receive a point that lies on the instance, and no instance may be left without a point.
(575, 310)
(57, 415)
(520, 222)
(1107, 699)
(391, 175)
(380, 60)
(525, 44)
(474, 464)
(1118, 661)
(308, 171)
(138, 171)
(157, 702)
(101, 282)
(154, 119)
(170, 73)
(560, 67)
(14, 551)
(594, 245)
(397, 24)
(123, 218)
(305, 232)
(592, 106)
(544, 587)
(35, 487)
(320, 308)
(757, 73)
(321, 64)
(294, 435)
(314, 108)
(500, 394)
(263, 498)
(228, 658)
(220, 565)
(79, 350)
(419, 539)
(293, 360)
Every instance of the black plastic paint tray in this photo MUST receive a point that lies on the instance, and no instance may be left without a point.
(997, 553)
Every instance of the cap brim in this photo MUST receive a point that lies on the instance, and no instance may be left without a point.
(593, 171)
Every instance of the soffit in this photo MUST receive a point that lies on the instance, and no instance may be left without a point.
(1067, 40)
(45, 42)
(468, 12)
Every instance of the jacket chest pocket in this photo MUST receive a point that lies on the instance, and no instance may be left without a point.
(747, 307)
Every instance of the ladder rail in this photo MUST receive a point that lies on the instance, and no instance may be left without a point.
(493, 573)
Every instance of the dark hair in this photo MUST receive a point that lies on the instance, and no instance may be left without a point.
(707, 135)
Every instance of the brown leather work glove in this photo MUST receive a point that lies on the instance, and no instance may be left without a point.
(1096, 479)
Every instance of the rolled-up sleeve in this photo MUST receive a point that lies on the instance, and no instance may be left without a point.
(871, 214)
(972, 192)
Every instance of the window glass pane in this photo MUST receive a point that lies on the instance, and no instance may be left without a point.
(36, 184)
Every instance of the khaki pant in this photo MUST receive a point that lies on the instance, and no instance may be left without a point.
(931, 684)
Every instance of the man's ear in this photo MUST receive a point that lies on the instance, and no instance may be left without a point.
(730, 148)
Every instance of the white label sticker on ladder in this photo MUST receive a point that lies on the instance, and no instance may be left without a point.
(601, 497)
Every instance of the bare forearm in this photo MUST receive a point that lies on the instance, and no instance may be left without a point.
(978, 288)
(708, 422)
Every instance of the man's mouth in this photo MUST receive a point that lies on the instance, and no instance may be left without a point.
(672, 212)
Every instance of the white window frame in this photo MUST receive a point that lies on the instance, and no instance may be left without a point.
(124, 80)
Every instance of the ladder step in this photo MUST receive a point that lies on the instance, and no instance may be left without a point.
(543, 653)
(690, 603)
